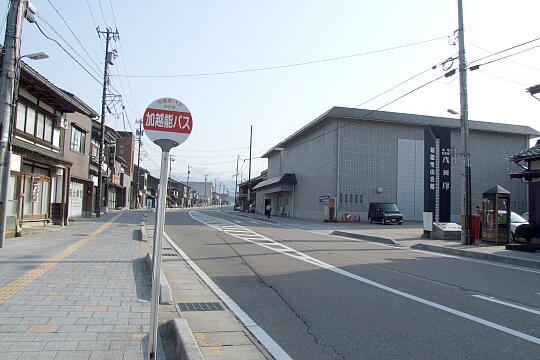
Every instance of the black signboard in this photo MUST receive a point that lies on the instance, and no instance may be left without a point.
(437, 167)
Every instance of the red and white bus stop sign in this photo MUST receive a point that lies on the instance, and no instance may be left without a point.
(168, 122)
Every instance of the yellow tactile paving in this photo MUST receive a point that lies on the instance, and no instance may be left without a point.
(15, 286)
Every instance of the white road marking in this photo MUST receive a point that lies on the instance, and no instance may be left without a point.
(222, 224)
(492, 299)
(273, 348)
(253, 222)
(515, 267)
(237, 221)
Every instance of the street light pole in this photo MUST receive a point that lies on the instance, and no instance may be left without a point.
(466, 198)
(8, 92)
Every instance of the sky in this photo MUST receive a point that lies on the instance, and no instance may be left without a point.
(203, 53)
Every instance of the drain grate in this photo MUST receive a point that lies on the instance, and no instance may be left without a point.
(168, 254)
(167, 248)
(200, 306)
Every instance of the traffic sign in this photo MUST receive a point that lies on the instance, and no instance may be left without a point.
(168, 119)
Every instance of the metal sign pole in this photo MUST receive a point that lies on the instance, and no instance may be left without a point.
(158, 240)
(168, 123)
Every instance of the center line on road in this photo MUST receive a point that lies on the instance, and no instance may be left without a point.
(492, 299)
(223, 225)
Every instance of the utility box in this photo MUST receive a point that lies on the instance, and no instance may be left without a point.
(445, 231)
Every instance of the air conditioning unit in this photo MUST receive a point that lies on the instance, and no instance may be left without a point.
(60, 121)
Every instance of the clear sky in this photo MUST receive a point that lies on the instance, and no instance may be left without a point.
(198, 37)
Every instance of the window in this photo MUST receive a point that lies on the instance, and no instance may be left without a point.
(48, 129)
(340, 198)
(346, 197)
(356, 198)
(56, 137)
(21, 116)
(30, 120)
(40, 125)
(361, 199)
(350, 198)
(78, 139)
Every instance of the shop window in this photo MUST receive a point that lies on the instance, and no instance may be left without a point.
(78, 139)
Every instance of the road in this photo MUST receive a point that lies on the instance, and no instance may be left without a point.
(326, 297)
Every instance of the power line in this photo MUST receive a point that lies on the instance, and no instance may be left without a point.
(67, 52)
(102, 14)
(72, 33)
(66, 42)
(475, 67)
(505, 50)
(514, 61)
(288, 65)
(503, 78)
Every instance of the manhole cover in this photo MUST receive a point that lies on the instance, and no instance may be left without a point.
(200, 306)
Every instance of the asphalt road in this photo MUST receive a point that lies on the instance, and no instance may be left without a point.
(326, 297)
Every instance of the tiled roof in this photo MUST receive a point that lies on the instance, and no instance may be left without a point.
(529, 153)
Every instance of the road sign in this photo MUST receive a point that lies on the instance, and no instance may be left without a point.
(168, 123)
(167, 119)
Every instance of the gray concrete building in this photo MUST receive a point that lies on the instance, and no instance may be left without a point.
(354, 156)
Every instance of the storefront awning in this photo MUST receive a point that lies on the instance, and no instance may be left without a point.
(35, 151)
(278, 180)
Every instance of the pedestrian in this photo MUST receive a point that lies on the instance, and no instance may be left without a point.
(479, 213)
(268, 210)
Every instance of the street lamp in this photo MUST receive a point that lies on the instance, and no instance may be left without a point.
(5, 149)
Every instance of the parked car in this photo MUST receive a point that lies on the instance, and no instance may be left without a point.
(515, 221)
(174, 205)
(386, 213)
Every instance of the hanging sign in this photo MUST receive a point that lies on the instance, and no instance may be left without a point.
(168, 119)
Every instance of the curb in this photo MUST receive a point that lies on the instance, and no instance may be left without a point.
(478, 255)
(165, 294)
(365, 237)
(185, 344)
(142, 233)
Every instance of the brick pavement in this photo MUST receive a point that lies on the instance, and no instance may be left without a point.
(79, 293)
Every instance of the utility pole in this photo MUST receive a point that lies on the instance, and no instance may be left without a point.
(249, 171)
(137, 203)
(187, 185)
(109, 58)
(466, 197)
(12, 49)
(205, 196)
(236, 183)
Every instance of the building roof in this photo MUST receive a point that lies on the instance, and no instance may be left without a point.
(42, 152)
(533, 152)
(282, 179)
(402, 118)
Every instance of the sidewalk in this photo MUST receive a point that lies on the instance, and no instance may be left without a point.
(81, 292)
(406, 235)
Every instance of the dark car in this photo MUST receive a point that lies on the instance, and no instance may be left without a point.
(386, 213)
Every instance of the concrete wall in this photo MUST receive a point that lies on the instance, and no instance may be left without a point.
(489, 167)
(368, 161)
(314, 164)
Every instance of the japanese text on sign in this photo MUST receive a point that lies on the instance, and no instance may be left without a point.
(164, 120)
